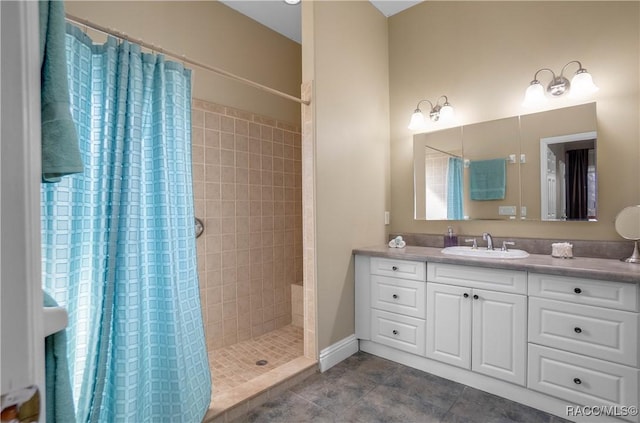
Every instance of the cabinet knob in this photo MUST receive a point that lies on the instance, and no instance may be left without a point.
(394, 268)
(577, 330)
(577, 290)
(475, 297)
(395, 332)
(395, 296)
(465, 295)
(577, 381)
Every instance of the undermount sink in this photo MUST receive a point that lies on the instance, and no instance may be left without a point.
(484, 253)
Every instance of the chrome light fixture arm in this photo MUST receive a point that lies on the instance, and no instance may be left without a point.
(434, 114)
(558, 85)
(423, 101)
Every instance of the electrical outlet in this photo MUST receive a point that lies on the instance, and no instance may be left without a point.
(387, 218)
(507, 210)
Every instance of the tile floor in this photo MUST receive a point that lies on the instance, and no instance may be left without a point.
(368, 389)
(236, 364)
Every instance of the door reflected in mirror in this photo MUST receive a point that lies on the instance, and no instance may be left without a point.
(568, 185)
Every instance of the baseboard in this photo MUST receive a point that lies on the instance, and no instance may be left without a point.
(337, 352)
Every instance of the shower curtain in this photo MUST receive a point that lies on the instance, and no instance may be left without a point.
(118, 241)
(455, 208)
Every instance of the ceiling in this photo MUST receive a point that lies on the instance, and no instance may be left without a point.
(285, 18)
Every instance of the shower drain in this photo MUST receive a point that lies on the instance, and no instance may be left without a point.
(261, 362)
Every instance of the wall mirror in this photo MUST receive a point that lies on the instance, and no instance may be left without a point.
(493, 170)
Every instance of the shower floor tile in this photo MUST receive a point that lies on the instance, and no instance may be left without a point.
(235, 365)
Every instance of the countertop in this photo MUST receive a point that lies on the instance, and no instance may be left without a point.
(594, 268)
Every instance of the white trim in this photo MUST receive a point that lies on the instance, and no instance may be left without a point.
(337, 352)
(20, 261)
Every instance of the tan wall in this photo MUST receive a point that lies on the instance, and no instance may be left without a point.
(483, 55)
(212, 33)
(349, 65)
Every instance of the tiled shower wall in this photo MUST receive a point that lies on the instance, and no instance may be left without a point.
(248, 192)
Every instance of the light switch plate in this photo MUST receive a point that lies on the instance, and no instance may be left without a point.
(507, 210)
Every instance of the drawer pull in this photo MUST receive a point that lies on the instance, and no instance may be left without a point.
(577, 290)
(395, 332)
(395, 296)
(394, 268)
(577, 381)
(577, 330)
(465, 295)
(475, 297)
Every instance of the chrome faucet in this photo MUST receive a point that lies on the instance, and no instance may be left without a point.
(487, 237)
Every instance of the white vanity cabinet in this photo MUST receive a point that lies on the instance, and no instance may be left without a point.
(481, 329)
(583, 340)
(390, 302)
(547, 341)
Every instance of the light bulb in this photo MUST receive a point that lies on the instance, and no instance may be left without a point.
(446, 113)
(417, 120)
(534, 96)
(582, 85)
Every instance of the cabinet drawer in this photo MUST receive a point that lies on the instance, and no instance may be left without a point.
(581, 380)
(595, 331)
(478, 277)
(405, 269)
(397, 331)
(399, 296)
(623, 296)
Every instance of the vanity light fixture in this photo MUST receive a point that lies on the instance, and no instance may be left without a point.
(438, 112)
(292, 1)
(581, 86)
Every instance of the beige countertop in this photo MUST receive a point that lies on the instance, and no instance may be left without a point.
(594, 268)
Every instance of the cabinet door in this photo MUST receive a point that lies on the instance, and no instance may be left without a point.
(449, 324)
(499, 335)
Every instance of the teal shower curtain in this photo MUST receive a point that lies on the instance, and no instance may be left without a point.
(118, 240)
(455, 182)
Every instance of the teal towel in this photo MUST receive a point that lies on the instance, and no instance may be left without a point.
(488, 179)
(57, 380)
(60, 151)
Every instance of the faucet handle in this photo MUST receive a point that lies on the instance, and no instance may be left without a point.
(475, 244)
(505, 245)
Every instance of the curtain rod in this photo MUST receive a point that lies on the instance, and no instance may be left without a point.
(443, 152)
(183, 58)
